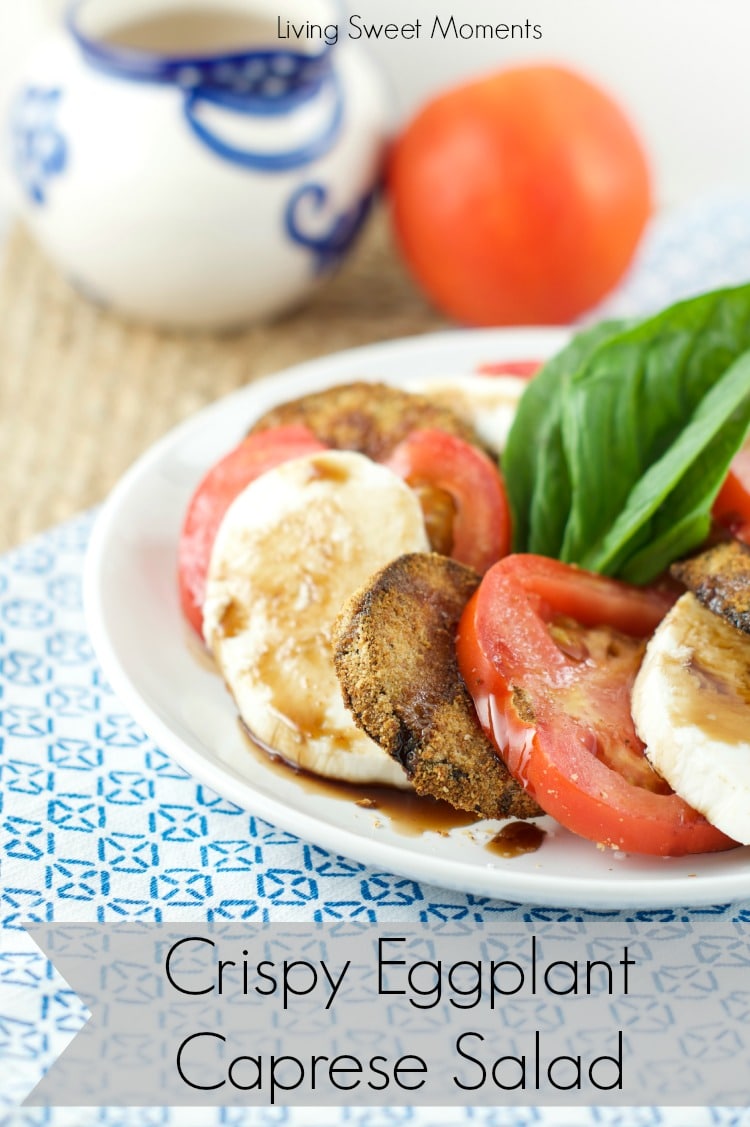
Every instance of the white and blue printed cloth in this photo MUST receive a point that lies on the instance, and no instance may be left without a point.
(97, 823)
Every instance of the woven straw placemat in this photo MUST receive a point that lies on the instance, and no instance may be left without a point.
(83, 393)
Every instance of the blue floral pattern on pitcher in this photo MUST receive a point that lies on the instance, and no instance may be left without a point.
(330, 245)
(264, 105)
(40, 151)
(121, 134)
(262, 83)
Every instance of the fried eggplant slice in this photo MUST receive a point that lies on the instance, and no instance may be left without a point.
(720, 579)
(394, 652)
(370, 418)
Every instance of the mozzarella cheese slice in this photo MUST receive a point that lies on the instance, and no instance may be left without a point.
(291, 549)
(488, 403)
(691, 707)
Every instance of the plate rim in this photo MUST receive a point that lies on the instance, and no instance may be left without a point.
(547, 890)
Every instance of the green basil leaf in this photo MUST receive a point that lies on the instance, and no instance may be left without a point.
(625, 407)
(669, 510)
(549, 506)
(534, 451)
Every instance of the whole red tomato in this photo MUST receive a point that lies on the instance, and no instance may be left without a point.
(519, 198)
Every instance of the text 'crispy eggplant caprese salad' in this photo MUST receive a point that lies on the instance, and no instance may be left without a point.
(523, 591)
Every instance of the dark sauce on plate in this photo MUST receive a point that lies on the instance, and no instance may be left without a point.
(409, 813)
(516, 838)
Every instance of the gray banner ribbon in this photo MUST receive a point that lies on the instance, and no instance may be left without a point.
(544, 1013)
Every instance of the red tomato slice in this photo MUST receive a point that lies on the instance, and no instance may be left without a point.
(524, 368)
(253, 457)
(462, 494)
(549, 654)
(732, 506)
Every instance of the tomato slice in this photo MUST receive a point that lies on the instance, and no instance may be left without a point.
(223, 482)
(732, 506)
(549, 653)
(524, 368)
(462, 494)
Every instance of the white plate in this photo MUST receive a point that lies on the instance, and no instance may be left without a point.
(136, 628)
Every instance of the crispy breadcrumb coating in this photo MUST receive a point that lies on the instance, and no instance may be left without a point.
(394, 652)
(370, 418)
(720, 579)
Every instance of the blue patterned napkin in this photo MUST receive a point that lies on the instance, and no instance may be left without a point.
(98, 824)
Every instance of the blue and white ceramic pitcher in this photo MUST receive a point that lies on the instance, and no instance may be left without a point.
(197, 165)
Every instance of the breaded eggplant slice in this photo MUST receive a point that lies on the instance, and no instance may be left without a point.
(720, 579)
(370, 418)
(394, 652)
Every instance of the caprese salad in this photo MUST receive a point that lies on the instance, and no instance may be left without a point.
(465, 587)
